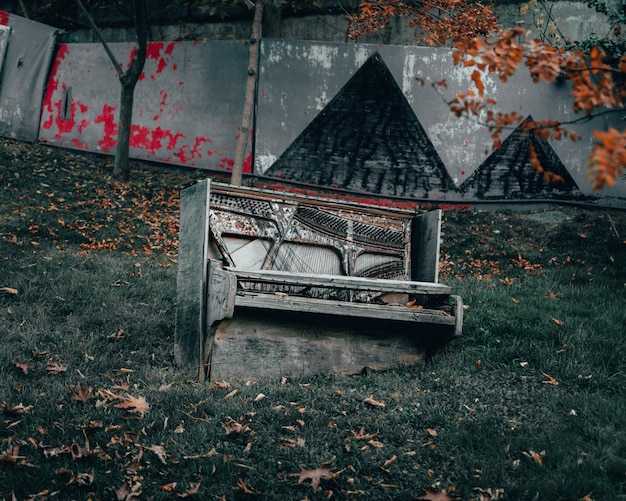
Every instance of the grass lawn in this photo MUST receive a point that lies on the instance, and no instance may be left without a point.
(527, 405)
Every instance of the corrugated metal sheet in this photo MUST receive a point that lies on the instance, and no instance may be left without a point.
(29, 49)
(188, 101)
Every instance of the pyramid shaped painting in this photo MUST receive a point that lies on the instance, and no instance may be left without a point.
(508, 173)
(367, 139)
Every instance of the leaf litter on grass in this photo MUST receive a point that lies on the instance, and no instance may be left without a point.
(81, 210)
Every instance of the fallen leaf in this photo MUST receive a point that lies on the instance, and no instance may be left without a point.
(10, 291)
(221, 384)
(231, 394)
(433, 495)
(25, 366)
(536, 457)
(56, 368)
(259, 397)
(194, 487)
(159, 450)
(557, 321)
(81, 394)
(432, 432)
(376, 443)
(134, 404)
(374, 403)
(361, 435)
(168, 487)
(116, 336)
(11, 455)
(387, 463)
(246, 489)
(17, 409)
(290, 442)
(128, 491)
(550, 379)
(489, 494)
(231, 426)
(314, 476)
(84, 479)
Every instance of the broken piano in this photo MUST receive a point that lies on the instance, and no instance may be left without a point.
(273, 284)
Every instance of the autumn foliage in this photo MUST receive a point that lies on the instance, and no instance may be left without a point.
(597, 87)
(439, 22)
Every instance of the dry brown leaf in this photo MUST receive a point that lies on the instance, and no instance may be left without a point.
(168, 487)
(231, 426)
(194, 488)
(209, 454)
(376, 443)
(81, 394)
(550, 379)
(128, 491)
(247, 489)
(324, 473)
(159, 450)
(361, 435)
(490, 495)
(289, 442)
(84, 479)
(537, 457)
(557, 321)
(10, 291)
(24, 366)
(56, 368)
(11, 455)
(116, 336)
(432, 432)
(134, 404)
(18, 409)
(387, 463)
(231, 394)
(433, 495)
(374, 403)
(258, 398)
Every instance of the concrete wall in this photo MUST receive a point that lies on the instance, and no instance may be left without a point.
(341, 121)
(187, 110)
(26, 50)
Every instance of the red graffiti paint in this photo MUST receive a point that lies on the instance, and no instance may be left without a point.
(53, 85)
(152, 140)
(107, 119)
(4, 18)
(79, 145)
(195, 151)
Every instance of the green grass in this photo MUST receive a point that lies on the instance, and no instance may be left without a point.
(545, 298)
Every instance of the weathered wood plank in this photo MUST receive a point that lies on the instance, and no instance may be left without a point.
(342, 308)
(339, 281)
(263, 344)
(425, 242)
(221, 290)
(190, 328)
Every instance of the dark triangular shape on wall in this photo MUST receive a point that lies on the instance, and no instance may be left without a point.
(508, 173)
(367, 139)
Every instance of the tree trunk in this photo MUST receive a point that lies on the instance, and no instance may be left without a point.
(128, 81)
(121, 167)
(246, 121)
